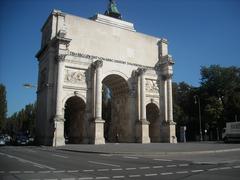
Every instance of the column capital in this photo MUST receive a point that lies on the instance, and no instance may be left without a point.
(97, 64)
(141, 71)
(60, 57)
(167, 76)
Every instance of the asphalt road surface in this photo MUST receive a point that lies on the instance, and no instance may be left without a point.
(23, 163)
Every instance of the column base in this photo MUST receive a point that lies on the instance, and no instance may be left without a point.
(168, 132)
(58, 134)
(142, 131)
(98, 131)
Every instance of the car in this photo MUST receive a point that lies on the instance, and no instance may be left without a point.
(2, 141)
(21, 140)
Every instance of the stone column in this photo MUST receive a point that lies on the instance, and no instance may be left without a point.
(170, 104)
(169, 125)
(59, 139)
(142, 124)
(165, 108)
(142, 96)
(98, 122)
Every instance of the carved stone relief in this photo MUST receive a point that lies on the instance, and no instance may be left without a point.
(74, 76)
(152, 86)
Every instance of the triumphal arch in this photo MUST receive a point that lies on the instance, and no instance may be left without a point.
(78, 57)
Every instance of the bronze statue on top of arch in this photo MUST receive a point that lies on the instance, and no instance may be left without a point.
(112, 10)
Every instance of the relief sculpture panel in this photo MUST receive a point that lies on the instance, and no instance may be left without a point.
(151, 86)
(74, 76)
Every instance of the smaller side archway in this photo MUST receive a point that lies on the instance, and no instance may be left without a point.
(152, 111)
(74, 114)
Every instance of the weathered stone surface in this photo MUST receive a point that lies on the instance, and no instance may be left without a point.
(77, 56)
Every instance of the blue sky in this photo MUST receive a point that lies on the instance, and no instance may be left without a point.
(200, 33)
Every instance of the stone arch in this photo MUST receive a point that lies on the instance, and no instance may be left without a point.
(119, 73)
(74, 114)
(152, 112)
(117, 127)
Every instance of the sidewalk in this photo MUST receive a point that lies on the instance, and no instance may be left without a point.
(153, 148)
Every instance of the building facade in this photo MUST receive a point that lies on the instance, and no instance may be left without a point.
(77, 58)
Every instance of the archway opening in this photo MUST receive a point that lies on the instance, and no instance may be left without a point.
(116, 109)
(74, 120)
(153, 117)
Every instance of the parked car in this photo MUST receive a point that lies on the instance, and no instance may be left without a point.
(7, 138)
(2, 140)
(21, 140)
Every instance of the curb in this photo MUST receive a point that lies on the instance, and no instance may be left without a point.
(154, 153)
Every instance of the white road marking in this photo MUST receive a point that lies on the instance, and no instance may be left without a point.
(117, 169)
(213, 169)
(182, 172)
(118, 177)
(134, 176)
(106, 155)
(236, 167)
(103, 170)
(105, 164)
(144, 168)
(102, 178)
(56, 155)
(73, 171)
(68, 179)
(223, 168)
(151, 175)
(85, 178)
(167, 160)
(156, 167)
(128, 169)
(30, 162)
(14, 172)
(88, 170)
(197, 170)
(167, 173)
(172, 165)
(130, 157)
(181, 165)
(62, 171)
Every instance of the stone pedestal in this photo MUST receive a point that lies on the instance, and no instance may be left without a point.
(58, 138)
(168, 132)
(142, 128)
(98, 131)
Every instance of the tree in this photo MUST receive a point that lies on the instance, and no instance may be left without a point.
(220, 88)
(22, 121)
(3, 106)
(183, 108)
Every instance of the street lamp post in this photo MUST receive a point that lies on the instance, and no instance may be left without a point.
(197, 99)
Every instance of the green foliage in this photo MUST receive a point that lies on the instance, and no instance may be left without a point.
(3, 106)
(219, 94)
(22, 121)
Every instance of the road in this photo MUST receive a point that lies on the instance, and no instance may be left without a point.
(23, 163)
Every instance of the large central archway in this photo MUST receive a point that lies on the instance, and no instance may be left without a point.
(117, 126)
(74, 120)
